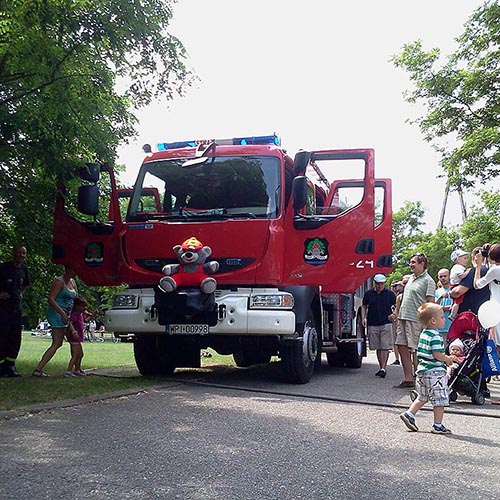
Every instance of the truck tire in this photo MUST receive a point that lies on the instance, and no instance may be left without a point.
(153, 356)
(298, 357)
(349, 355)
(246, 358)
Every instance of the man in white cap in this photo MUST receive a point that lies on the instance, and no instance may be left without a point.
(377, 316)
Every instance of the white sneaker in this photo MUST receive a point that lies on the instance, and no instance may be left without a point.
(69, 374)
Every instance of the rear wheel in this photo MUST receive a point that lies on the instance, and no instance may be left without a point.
(478, 399)
(453, 396)
(298, 356)
(349, 354)
(249, 357)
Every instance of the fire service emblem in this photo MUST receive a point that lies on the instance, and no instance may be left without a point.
(316, 251)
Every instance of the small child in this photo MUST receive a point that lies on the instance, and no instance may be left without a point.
(74, 334)
(456, 349)
(431, 375)
(457, 273)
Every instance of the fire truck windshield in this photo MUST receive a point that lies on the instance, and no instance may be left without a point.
(223, 187)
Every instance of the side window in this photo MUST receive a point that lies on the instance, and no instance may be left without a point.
(379, 215)
(310, 208)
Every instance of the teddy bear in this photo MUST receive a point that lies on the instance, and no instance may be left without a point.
(192, 269)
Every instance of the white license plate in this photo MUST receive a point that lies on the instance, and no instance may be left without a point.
(187, 329)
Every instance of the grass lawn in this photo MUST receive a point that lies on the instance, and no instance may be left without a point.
(102, 357)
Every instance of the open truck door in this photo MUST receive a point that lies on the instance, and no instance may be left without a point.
(87, 236)
(344, 242)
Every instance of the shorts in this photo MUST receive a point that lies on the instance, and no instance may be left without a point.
(408, 333)
(380, 337)
(432, 386)
(458, 300)
(73, 337)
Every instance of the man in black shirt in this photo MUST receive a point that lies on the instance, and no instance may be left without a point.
(377, 315)
(14, 279)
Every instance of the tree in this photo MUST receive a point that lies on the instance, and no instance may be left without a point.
(64, 100)
(461, 97)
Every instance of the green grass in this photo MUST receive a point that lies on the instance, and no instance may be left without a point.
(101, 358)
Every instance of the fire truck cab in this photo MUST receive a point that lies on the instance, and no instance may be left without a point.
(296, 241)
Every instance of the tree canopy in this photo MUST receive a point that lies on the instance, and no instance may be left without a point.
(71, 74)
(461, 97)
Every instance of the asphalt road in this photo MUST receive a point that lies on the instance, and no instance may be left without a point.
(243, 434)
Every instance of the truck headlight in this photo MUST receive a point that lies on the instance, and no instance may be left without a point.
(125, 301)
(272, 301)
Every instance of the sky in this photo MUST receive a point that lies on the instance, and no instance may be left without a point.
(317, 73)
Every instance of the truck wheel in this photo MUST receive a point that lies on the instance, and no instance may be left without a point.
(153, 356)
(298, 356)
(246, 358)
(350, 355)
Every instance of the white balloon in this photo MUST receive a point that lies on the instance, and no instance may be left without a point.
(489, 313)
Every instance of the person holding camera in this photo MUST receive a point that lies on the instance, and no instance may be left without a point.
(472, 297)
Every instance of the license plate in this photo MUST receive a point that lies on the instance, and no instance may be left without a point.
(187, 329)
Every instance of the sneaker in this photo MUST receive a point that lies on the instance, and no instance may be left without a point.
(381, 373)
(80, 373)
(69, 374)
(440, 429)
(409, 421)
(396, 362)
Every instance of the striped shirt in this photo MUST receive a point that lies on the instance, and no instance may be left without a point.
(430, 341)
(416, 292)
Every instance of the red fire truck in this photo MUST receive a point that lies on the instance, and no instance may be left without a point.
(296, 241)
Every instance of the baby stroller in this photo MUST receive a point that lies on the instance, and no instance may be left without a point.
(468, 378)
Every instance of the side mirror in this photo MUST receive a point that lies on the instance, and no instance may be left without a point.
(90, 172)
(299, 192)
(88, 199)
(300, 162)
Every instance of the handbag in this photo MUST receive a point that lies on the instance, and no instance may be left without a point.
(491, 363)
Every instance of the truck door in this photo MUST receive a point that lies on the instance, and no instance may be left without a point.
(343, 243)
(87, 237)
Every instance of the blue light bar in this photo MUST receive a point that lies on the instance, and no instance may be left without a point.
(236, 141)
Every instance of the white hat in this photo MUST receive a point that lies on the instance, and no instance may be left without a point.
(379, 278)
(456, 254)
(457, 343)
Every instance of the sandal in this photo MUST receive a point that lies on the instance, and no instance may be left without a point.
(39, 373)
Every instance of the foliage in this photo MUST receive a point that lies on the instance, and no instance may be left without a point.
(64, 100)
(461, 97)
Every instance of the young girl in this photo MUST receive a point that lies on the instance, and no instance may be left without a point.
(74, 335)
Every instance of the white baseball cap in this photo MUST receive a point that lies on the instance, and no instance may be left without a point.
(456, 254)
(379, 278)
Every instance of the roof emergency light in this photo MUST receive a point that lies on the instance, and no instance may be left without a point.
(235, 141)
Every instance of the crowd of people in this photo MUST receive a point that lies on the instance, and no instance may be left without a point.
(66, 315)
(412, 318)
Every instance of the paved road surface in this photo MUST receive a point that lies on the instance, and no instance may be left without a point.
(207, 435)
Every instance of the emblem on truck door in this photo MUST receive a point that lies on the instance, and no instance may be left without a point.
(316, 251)
(94, 254)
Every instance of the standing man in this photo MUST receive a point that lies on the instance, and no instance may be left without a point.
(443, 298)
(14, 279)
(377, 316)
(420, 288)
